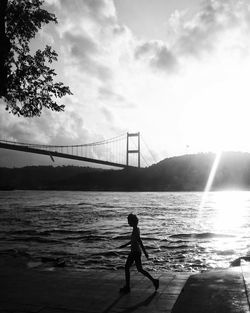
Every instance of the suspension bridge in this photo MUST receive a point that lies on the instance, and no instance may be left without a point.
(123, 151)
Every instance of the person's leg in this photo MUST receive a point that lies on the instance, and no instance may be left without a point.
(145, 273)
(129, 262)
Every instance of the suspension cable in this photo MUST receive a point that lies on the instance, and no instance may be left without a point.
(117, 138)
(153, 157)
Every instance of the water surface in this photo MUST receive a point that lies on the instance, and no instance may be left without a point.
(83, 230)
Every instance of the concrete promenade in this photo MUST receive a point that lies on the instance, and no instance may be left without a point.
(218, 291)
(33, 290)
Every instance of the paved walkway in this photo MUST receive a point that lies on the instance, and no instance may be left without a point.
(22, 290)
(90, 292)
(219, 291)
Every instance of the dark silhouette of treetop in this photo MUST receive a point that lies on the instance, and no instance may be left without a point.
(27, 80)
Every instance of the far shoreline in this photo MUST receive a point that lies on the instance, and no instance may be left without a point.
(128, 190)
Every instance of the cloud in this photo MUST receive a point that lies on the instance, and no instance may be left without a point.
(117, 100)
(157, 55)
(81, 45)
(201, 35)
(51, 128)
(108, 115)
(83, 52)
(204, 32)
(95, 13)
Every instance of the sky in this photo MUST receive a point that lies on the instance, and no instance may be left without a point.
(176, 71)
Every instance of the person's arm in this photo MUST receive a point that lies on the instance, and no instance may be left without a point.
(141, 244)
(125, 245)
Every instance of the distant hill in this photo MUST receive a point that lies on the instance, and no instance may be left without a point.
(191, 172)
(182, 173)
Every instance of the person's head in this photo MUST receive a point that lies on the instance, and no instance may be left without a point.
(132, 220)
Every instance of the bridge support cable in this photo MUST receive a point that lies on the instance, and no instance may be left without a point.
(152, 157)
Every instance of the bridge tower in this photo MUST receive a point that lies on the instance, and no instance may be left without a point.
(137, 151)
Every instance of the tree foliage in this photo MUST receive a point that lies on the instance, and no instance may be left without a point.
(27, 80)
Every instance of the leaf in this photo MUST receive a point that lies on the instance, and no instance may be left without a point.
(30, 85)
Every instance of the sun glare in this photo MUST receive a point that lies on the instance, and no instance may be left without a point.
(229, 217)
(228, 207)
(230, 210)
(206, 109)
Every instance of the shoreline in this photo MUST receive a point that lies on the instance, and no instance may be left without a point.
(113, 189)
(18, 258)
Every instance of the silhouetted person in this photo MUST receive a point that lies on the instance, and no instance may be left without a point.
(135, 255)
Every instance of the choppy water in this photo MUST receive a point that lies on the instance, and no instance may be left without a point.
(84, 229)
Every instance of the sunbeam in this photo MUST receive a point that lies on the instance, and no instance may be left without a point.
(210, 179)
(208, 185)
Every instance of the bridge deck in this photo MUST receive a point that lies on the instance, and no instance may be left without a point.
(61, 155)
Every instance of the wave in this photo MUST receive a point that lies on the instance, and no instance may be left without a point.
(85, 203)
(121, 237)
(174, 241)
(67, 231)
(150, 238)
(35, 239)
(30, 232)
(127, 237)
(107, 254)
(175, 247)
(224, 252)
(206, 235)
(87, 238)
(15, 252)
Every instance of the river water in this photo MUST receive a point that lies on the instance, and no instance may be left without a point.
(83, 230)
